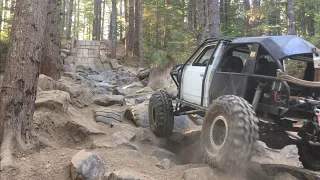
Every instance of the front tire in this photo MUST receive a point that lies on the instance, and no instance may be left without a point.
(229, 133)
(309, 156)
(161, 119)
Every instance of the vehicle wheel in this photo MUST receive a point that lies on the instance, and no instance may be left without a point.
(229, 132)
(309, 156)
(161, 118)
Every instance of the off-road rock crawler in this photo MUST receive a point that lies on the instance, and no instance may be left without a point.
(247, 89)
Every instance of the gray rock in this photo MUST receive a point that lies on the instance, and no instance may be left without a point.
(46, 83)
(143, 74)
(109, 100)
(299, 173)
(115, 64)
(147, 137)
(126, 174)
(207, 173)
(160, 154)
(74, 76)
(87, 166)
(120, 91)
(284, 176)
(80, 95)
(164, 164)
(127, 80)
(98, 78)
(55, 99)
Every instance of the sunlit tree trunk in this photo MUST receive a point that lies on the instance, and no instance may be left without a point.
(138, 30)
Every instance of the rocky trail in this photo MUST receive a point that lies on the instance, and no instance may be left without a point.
(93, 124)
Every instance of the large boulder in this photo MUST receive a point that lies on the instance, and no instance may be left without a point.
(55, 99)
(144, 73)
(126, 174)
(46, 83)
(87, 166)
(80, 95)
(161, 154)
(109, 100)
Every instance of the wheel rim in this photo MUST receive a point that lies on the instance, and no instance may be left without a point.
(218, 132)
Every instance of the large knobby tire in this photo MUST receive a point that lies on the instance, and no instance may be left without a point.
(229, 133)
(309, 156)
(161, 119)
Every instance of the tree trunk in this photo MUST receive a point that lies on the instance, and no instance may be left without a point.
(70, 20)
(138, 30)
(182, 6)
(214, 18)
(191, 15)
(131, 26)
(97, 20)
(246, 8)
(21, 74)
(203, 20)
(290, 17)
(63, 19)
(126, 25)
(1, 7)
(110, 27)
(103, 19)
(158, 35)
(121, 23)
(222, 3)
(51, 62)
(114, 30)
(78, 20)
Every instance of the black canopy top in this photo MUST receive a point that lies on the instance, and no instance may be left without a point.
(280, 47)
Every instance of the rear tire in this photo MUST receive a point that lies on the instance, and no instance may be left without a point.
(309, 156)
(229, 133)
(161, 119)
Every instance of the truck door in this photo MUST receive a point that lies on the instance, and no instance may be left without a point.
(193, 74)
(232, 73)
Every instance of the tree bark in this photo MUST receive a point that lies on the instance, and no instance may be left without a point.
(290, 17)
(191, 15)
(97, 20)
(103, 19)
(214, 18)
(63, 19)
(158, 35)
(1, 7)
(126, 25)
(21, 74)
(138, 30)
(51, 62)
(114, 30)
(203, 20)
(78, 19)
(246, 8)
(131, 26)
(121, 24)
(70, 20)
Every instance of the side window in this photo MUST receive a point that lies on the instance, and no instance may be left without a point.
(205, 56)
(265, 64)
(234, 59)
